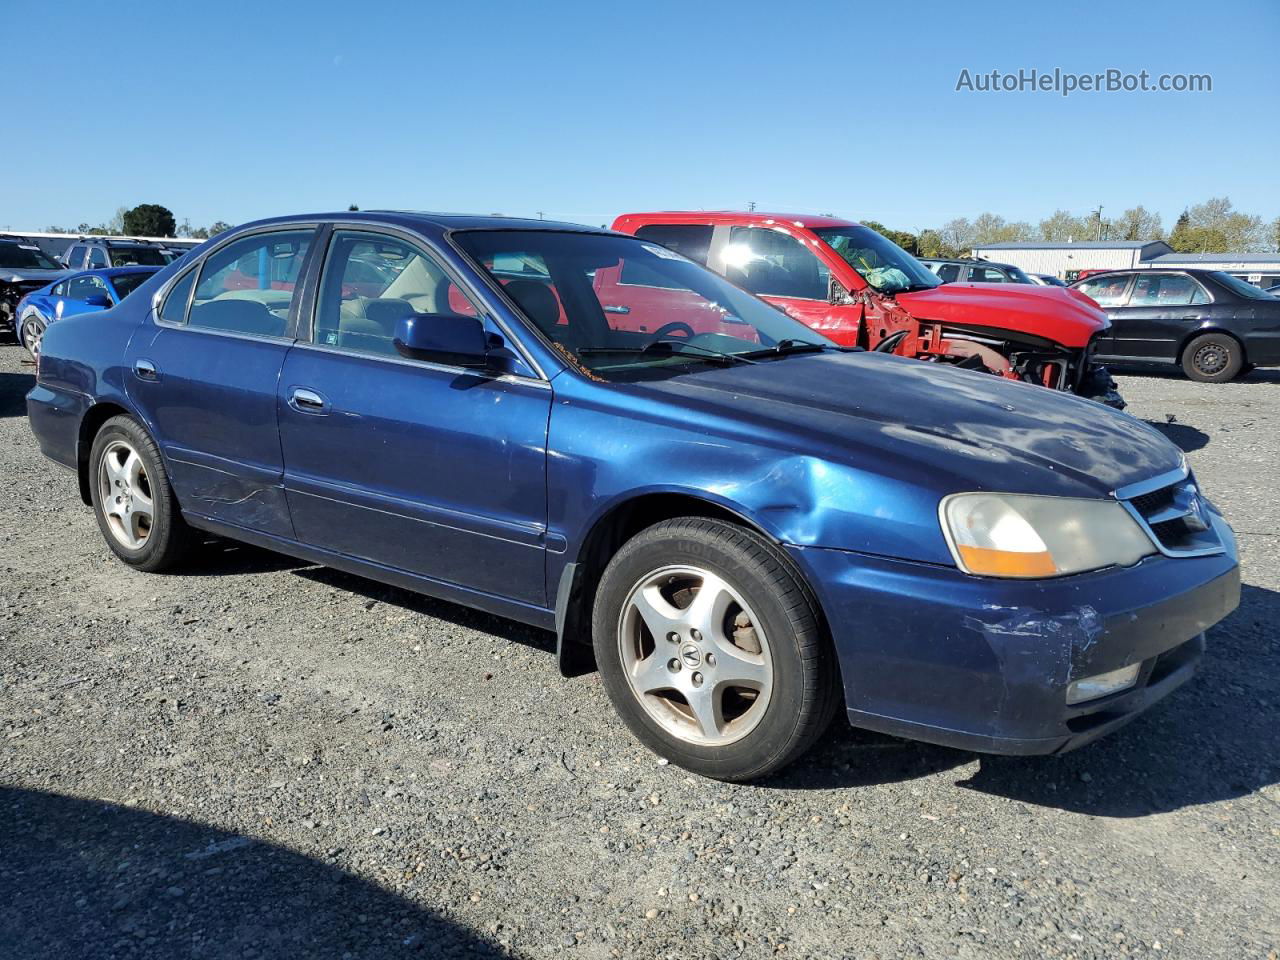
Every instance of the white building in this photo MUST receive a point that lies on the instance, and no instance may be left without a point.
(1067, 260)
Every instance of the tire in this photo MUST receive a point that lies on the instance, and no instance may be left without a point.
(137, 512)
(30, 331)
(769, 682)
(1213, 358)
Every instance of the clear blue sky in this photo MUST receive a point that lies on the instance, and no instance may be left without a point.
(239, 110)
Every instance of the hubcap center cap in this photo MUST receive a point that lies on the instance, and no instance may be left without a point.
(691, 655)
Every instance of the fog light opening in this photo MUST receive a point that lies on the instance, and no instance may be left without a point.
(1102, 684)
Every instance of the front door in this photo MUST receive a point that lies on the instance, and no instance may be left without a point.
(779, 268)
(205, 376)
(1110, 291)
(420, 467)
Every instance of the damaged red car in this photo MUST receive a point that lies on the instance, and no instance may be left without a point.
(859, 288)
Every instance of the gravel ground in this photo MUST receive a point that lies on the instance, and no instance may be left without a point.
(262, 758)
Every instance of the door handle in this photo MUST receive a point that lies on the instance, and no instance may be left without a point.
(613, 308)
(145, 370)
(307, 401)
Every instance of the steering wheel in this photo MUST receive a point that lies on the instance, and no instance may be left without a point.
(675, 326)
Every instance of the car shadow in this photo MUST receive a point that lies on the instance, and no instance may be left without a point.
(1215, 739)
(846, 758)
(418, 603)
(1185, 438)
(13, 393)
(87, 879)
(1256, 375)
(217, 557)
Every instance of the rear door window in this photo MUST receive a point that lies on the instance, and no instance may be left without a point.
(249, 286)
(692, 240)
(1159, 290)
(97, 258)
(987, 275)
(949, 272)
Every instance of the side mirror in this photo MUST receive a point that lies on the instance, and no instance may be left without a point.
(837, 293)
(447, 338)
(98, 300)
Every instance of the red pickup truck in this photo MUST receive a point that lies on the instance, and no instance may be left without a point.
(861, 289)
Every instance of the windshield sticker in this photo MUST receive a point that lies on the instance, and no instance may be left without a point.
(662, 252)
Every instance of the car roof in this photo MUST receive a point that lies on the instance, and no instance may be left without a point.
(415, 219)
(114, 271)
(753, 218)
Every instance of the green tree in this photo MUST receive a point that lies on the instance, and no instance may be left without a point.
(1062, 226)
(1216, 227)
(906, 240)
(1137, 223)
(929, 244)
(217, 227)
(150, 220)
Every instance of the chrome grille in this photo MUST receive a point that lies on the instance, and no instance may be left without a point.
(1175, 515)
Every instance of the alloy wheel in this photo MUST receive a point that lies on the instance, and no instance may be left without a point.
(695, 656)
(32, 334)
(124, 492)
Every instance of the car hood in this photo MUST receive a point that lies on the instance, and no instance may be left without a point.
(940, 428)
(1061, 315)
(14, 275)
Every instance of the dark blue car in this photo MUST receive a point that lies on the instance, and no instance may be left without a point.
(90, 291)
(743, 526)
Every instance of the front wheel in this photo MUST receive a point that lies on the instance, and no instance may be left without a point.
(712, 650)
(30, 332)
(1213, 358)
(136, 509)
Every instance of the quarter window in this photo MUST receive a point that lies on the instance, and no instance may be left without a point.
(772, 263)
(1106, 291)
(1159, 290)
(248, 286)
(372, 282)
(174, 308)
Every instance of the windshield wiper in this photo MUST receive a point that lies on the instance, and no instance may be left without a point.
(667, 345)
(788, 346)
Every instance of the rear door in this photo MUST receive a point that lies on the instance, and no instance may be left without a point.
(422, 467)
(205, 375)
(1161, 310)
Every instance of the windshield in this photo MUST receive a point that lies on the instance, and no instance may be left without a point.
(136, 257)
(126, 283)
(1240, 287)
(21, 256)
(878, 260)
(624, 307)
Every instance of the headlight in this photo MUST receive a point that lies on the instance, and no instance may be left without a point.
(1013, 535)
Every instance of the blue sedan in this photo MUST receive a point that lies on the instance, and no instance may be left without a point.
(87, 292)
(744, 527)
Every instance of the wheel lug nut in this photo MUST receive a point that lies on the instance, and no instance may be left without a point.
(697, 636)
(673, 637)
(697, 679)
(711, 659)
(673, 665)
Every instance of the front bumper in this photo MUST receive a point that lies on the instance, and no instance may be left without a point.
(929, 653)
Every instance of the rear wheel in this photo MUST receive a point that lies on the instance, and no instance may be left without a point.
(712, 650)
(136, 509)
(1213, 358)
